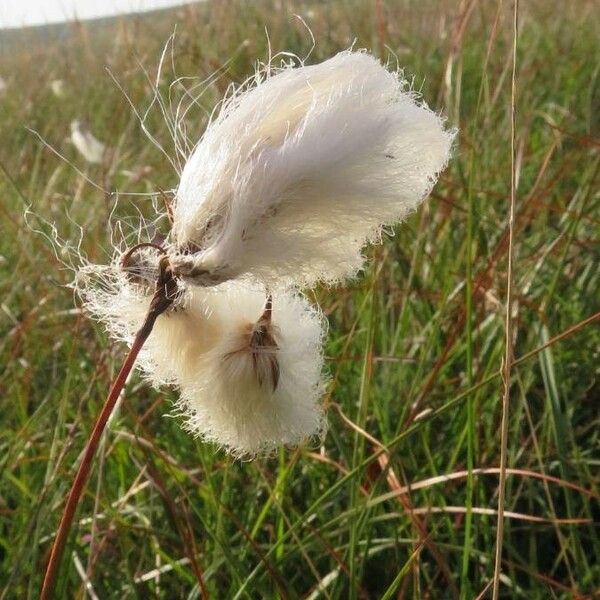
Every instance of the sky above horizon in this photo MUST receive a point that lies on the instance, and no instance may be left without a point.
(23, 13)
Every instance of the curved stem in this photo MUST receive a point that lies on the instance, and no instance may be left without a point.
(127, 256)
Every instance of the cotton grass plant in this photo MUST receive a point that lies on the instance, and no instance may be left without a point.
(88, 146)
(298, 169)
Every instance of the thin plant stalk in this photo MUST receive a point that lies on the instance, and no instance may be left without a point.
(508, 350)
(465, 583)
(162, 299)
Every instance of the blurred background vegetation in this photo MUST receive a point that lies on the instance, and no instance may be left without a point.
(415, 346)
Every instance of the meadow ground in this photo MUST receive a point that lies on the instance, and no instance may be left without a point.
(389, 505)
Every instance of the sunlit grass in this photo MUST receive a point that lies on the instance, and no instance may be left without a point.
(415, 342)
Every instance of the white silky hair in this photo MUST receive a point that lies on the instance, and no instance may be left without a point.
(229, 406)
(201, 347)
(91, 148)
(303, 167)
(57, 86)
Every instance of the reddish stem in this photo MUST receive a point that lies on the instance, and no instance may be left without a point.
(166, 290)
(86, 463)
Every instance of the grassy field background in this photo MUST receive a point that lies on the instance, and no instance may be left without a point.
(415, 347)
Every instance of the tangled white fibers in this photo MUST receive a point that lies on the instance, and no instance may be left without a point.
(300, 168)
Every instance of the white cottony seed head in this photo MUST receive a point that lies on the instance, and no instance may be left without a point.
(88, 146)
(301, 168)
(247, 383)
(260, 385)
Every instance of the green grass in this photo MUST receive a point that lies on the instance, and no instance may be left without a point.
(421, 330)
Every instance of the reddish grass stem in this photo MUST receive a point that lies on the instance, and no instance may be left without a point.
(166, 288)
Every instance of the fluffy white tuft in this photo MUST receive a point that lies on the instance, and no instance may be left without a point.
(245, 413)
(301, 168)
(58, 87)
(91, 148)
(202, 347)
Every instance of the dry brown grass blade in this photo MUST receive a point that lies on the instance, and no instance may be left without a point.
(420, 526)
(430, 481)
(393, 483)
(340, 468)
(508, 350)
(181, 518)
(426, 510)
